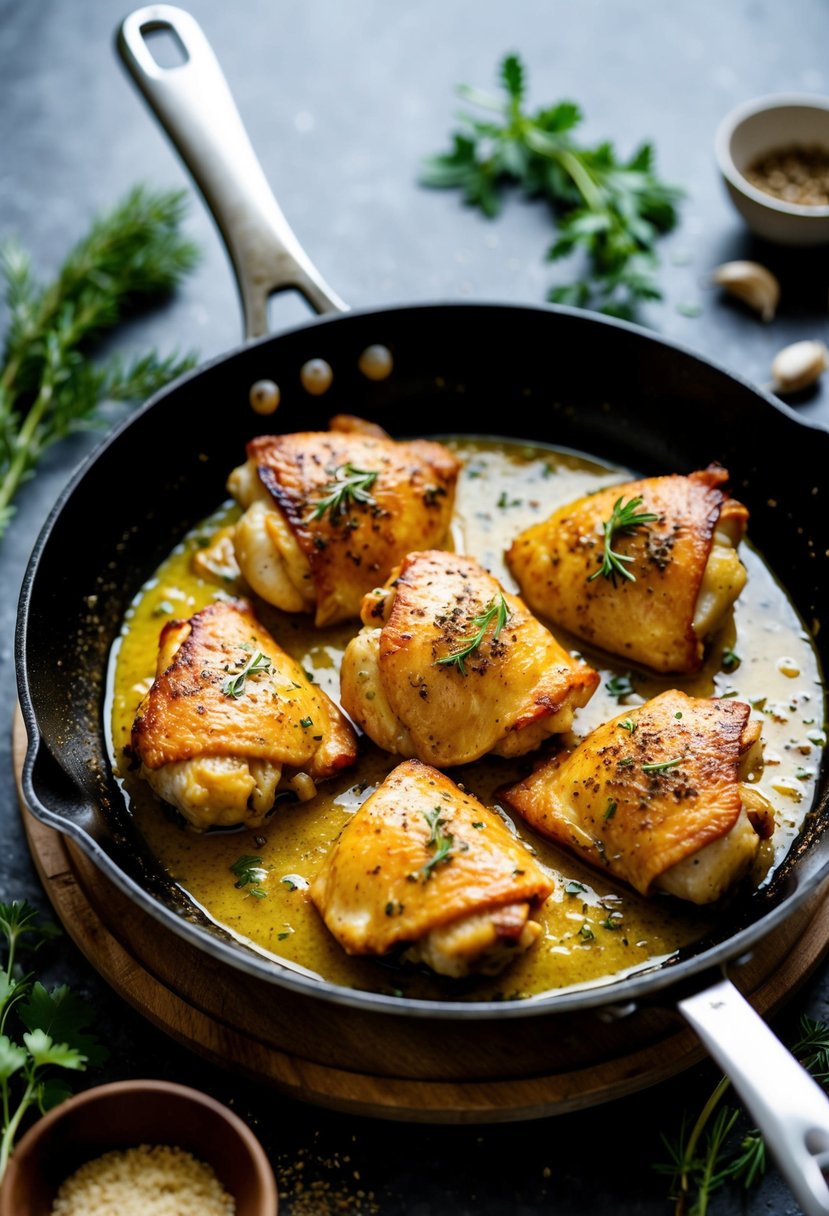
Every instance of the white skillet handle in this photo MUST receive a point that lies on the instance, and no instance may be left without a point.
(789, 1107)
(193, 103)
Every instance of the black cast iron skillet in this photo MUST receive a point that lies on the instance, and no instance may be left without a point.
(542, 374)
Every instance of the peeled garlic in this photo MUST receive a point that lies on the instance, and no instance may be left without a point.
(799, 365)
(751, 283)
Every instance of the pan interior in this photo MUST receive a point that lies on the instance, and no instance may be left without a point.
(594, 930)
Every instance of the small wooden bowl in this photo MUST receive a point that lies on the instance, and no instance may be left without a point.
(124, 1115)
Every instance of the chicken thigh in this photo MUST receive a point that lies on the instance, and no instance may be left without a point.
(658, 796)
(329, 514)
(425, 867)
(449, 666)
(644, 570)
(230, 718)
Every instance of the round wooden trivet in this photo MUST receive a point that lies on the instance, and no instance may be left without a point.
(415, 1069)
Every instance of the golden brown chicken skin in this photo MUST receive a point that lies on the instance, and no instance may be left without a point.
(329, 514)
(424, 865)
(682, 569)
(658, 796)
(416, 685)
(230, 718)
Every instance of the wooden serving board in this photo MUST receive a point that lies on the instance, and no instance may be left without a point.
(376, 1064)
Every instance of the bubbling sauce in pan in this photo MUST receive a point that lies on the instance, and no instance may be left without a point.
(592, 928)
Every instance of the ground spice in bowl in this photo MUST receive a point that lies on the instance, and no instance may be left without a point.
(796, 173)
(155, 1180)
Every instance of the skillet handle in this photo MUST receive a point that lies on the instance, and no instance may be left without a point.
(790, 1108)
(194, 105)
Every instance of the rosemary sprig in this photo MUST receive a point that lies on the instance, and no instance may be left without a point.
(662, 765)
(439, 840)
(704, 1159)
(234, 685)
(624, 519)
(614, 210)
(48, 387)
(496, 610)
(348, 485)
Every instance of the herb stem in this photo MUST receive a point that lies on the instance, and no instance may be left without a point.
(10, 1125)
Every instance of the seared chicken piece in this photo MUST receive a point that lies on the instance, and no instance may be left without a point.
(658, 796)
(230, 718)
(682, 572)
(425, 866)
(416, 684)
(329, 514)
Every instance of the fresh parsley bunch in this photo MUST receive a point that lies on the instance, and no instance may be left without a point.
(613, 210)
(42, 1033)
(48, 385)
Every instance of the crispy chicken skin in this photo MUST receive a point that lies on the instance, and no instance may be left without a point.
(657, 796)
(685, 566)
(424, 865)
(514, 689)
(302, 556)
(219, 757)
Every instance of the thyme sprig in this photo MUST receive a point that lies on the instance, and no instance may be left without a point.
(708, 1156)
(348, 485)
(250, 873)
(48, 387)
(662, 766)
(439, 840)
(624, 519)
(497, 611)
(234, 685)
(612, 209)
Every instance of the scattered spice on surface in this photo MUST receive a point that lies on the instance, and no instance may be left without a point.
(150, 1180)
(330, 1186)
(796, 173)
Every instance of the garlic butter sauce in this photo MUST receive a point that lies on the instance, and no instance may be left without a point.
(593, 929)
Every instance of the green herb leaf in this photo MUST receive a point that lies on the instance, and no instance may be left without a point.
(65, 1018)
(625, 518)
(610, 209)
(497, 611)
(348, 485)
(234, 685)
(439, 840)
(12, 1057)
(662, 766)
(44, 1050)
(620, 687)
(250, 873)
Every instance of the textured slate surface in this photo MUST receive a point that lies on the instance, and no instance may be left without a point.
(341, 101)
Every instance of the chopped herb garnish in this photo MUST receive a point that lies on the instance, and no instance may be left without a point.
(234, 686)
(629, 725)
(497, 611)
(662, 765)
(478, 825)
(438, 840)
(306, 722)
(730, 660)
(250, 873)
(348, 485)
(620, 687)
(610, 923)
(586, 932)
(625, 762)
(624, 519)
(610, 810)
(574, 888)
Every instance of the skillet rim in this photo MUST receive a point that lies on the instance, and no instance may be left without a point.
(612, 993)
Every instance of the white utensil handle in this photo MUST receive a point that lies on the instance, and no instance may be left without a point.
(789, 1107)
(193, 103)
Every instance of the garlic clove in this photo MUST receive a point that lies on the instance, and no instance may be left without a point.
(752, 283)
(799, 365)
